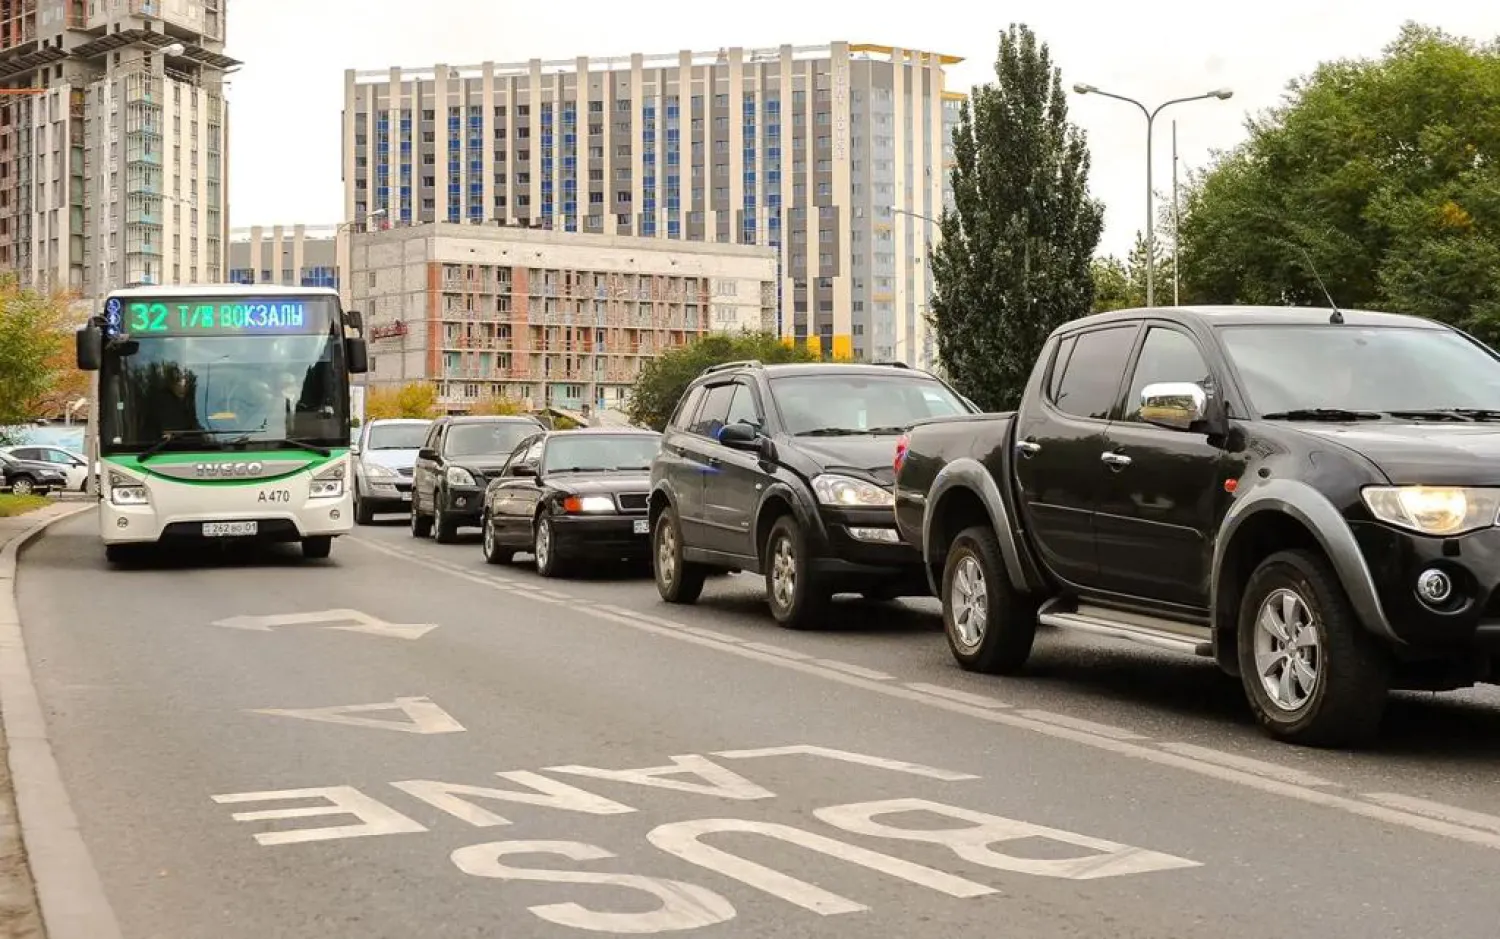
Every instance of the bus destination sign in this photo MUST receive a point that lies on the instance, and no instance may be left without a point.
(240, 316)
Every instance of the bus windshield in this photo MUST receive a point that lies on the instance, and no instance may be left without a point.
(234, 383)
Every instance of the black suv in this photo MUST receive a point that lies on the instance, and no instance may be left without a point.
(453, 468)
(786, 470)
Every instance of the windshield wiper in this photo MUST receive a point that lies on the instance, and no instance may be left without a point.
(581, 469)
(629, 469)
(1322, 414)
(1478, 414)
(284, 443)
(1440, 414)
(893, 429)
(171, 437)
(833, 432)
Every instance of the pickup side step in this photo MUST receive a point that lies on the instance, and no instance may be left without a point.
(1133, 627)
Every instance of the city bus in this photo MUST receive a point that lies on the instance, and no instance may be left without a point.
(221, 415)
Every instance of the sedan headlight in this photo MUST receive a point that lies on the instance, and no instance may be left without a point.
(576, 504)
(458, 476)
(377, 471)
(849, 492)
(329, 484)
(1434, 510)
(126, 491)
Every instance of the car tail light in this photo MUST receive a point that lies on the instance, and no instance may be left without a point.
(901, 444)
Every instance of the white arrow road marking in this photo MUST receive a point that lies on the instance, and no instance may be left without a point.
(423, 716)
(354, 620)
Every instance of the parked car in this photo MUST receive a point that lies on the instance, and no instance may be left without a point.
(453, 467)
(30, 477)
(385, 453)
(72, 465)
(572, 495)
(785, 470)
(1308, 498)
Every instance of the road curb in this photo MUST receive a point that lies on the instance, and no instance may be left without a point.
(69, 891)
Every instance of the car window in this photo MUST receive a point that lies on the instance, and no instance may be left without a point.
(1059, 365)
(433, 433)
(1091, 379)
(26, 453)
(396, 436)
(1167, 355)
(857, 402)
(596, 452)
(485, 438)
(7, 459)
(687, 408)
(715, 411)
(742, 407)
(517, 456)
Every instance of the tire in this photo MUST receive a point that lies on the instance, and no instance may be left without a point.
(493, 553)
(23, 486)
(677, 581)
(444, 526)
(797, 597)
(990, 627)
(544, 549)
(421, 525)
(317, 547)
(1350, 672)
(363, 514)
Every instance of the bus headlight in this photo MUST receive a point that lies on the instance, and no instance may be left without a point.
(329, 484)
(126, 491)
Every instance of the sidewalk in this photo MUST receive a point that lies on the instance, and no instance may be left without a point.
(20, 917)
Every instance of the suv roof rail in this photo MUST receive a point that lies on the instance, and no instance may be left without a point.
(742, 363)
(892, 364)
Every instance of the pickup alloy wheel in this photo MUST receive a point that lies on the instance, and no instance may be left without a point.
(1311, 672)
(990, 627)
(798, 600)
(676, 580)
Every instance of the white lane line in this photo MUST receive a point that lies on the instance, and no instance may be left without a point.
(953, 694)
(1442, 828)
(1437, 810)
(858, 670)
(696, 631)
(769, 649)
(1286, 774)
(1089, 727)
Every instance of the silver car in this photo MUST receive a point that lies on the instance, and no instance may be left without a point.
(383, 458)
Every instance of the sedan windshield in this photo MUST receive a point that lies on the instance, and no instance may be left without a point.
(600, 452)
(397, 436)
(486, 438)
(835, 403)
(1374, 369)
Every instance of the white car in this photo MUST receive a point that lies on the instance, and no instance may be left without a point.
(73, 466)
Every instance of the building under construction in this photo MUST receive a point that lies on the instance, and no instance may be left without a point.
(550, 319)
(112, 142)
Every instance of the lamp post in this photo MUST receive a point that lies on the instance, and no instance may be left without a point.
(1222, 94)
(920, 353)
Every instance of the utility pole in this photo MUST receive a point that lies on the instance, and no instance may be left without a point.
(1176, 222)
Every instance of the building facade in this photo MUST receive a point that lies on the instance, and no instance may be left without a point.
(543, 317)
(288, 255)
(833, 156)
(113, 142)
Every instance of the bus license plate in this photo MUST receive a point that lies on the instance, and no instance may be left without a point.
(641, 526)
(229, 529)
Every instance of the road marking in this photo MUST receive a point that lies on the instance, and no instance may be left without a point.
(697, 631)
(769, 649)
(953, 694)
(1286, 774)
(859, 670)
(1437, 810)
(547, 793)
(423, 716)
(362, 623)
(845, 756)
(1089, 727)
(376, 818)
(1129, 749)
(716, 780)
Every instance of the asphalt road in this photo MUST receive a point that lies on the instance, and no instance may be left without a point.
(561, 758)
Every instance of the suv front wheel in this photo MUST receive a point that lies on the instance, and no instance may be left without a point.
(676, 580)
(798, 599)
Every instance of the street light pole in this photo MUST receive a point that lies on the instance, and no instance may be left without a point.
(1223, 94)
(927, 243)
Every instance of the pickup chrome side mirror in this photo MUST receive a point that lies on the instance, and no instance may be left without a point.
(1175, 405)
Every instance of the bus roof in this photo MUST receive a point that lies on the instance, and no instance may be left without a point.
(154, 291)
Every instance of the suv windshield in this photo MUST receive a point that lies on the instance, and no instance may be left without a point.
(1361, 368)
(397, 436)
(860, 403)
(600, 452)
(487, 438)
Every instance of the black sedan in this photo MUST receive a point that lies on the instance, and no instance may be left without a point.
(571, 495)
(30, 477)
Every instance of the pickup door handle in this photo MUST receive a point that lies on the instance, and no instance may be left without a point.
(1028, 447)
(1114, 459)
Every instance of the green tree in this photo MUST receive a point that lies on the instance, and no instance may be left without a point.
(36, 355)
(1382, 175)
(1016, 254)
(662, 380)
(1121, 285)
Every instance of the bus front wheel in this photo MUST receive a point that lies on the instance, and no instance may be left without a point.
(317, 548)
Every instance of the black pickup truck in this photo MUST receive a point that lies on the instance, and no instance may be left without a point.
(1309, 497)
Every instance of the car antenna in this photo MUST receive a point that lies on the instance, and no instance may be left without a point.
(1337, 318)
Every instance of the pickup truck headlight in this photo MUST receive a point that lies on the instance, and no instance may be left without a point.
(1434, 510)
(458, 476)
(329, 484)
(849, 492)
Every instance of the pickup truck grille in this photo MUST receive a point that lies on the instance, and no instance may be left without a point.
(632, 501)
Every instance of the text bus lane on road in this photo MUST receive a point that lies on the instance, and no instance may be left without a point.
(978, 837)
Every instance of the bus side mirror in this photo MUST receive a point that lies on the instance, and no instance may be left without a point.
(89, 348)
(358, 355)
(355, 320)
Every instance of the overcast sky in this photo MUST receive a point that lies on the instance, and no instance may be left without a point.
(287, 99)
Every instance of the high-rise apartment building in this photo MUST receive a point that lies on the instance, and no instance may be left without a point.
(113, 130)
(833, 155)
(288, 255)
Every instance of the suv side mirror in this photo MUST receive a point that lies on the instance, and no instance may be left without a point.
(89, 348)
(354, 449)
(427, 453)
(1175, 405)
(739, 436)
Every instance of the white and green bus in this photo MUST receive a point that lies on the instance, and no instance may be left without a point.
(222, 413)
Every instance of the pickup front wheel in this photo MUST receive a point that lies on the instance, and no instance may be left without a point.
(990, 627)
(1312, 674)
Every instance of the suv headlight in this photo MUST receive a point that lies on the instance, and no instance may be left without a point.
(850, 492)
(458, 476)
(126, 491)
(1434, 510)
(377, 471)
(329, 484)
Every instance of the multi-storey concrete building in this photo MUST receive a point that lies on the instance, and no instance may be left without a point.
(544, 317)
(831, 155)
(112, 142)
(289, 255)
